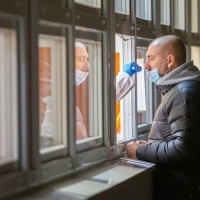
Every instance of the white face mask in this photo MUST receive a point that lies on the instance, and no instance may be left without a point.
(80, 76)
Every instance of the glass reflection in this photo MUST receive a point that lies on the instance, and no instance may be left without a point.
(141, 93)
(124, 115)
(179, 14)
(88, 89)
(92, 3)
(52, 91)
(8, 94)
(194, 16)
(122, 6)
(144, 91)
(195, 56)
(143, 9)
(82, 70)
(165, 12)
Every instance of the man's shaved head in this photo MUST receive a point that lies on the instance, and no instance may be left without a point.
(170, 44)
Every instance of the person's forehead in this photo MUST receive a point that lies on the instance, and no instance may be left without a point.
(81, 51)
(151, 51)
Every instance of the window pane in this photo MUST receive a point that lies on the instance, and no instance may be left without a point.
(143, 9)
(180, 14)
(165, 12)
(122, 6)
(144, 94)
(88, 76)
(8, 94)
(195, 56)
(92, 3)
(194, 16)
(125, 113)
(52, 91)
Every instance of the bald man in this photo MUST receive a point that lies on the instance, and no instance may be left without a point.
(174, 139)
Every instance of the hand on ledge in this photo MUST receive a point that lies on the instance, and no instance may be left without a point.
(142, 142)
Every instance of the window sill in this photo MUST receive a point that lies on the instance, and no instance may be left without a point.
(122, 178)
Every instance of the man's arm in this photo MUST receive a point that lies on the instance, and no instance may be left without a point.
(184, 143)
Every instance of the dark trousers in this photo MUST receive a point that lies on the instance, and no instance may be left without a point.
(175, 186)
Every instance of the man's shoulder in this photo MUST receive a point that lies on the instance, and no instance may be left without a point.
(182, 89)
(190, 84)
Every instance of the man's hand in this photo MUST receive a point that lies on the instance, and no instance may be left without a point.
(131, 149)
(142, 142)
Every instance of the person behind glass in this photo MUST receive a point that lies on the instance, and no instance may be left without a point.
(124, 82)
(174, 139)
(82, 67)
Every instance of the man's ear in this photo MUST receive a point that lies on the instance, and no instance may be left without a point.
(171, 60)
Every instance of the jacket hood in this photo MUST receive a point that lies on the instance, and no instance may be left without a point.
(185, 72)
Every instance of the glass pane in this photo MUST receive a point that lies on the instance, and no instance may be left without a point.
(180, 14)
(125, 108)
(9, 96)
(92, 3)
(194, 16)
(144, 94)
(52, 91)
(122, 6)
(165, 12)
(143, 9)
(88, 77)
(195, 56)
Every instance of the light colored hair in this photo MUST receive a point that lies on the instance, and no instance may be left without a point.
(79, 44)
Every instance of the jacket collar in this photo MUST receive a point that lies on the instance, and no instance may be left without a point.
(164, 88)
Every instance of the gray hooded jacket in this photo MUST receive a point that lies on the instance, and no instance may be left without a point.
(174, 138)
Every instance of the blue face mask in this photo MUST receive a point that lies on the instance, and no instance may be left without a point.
(154, 75)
